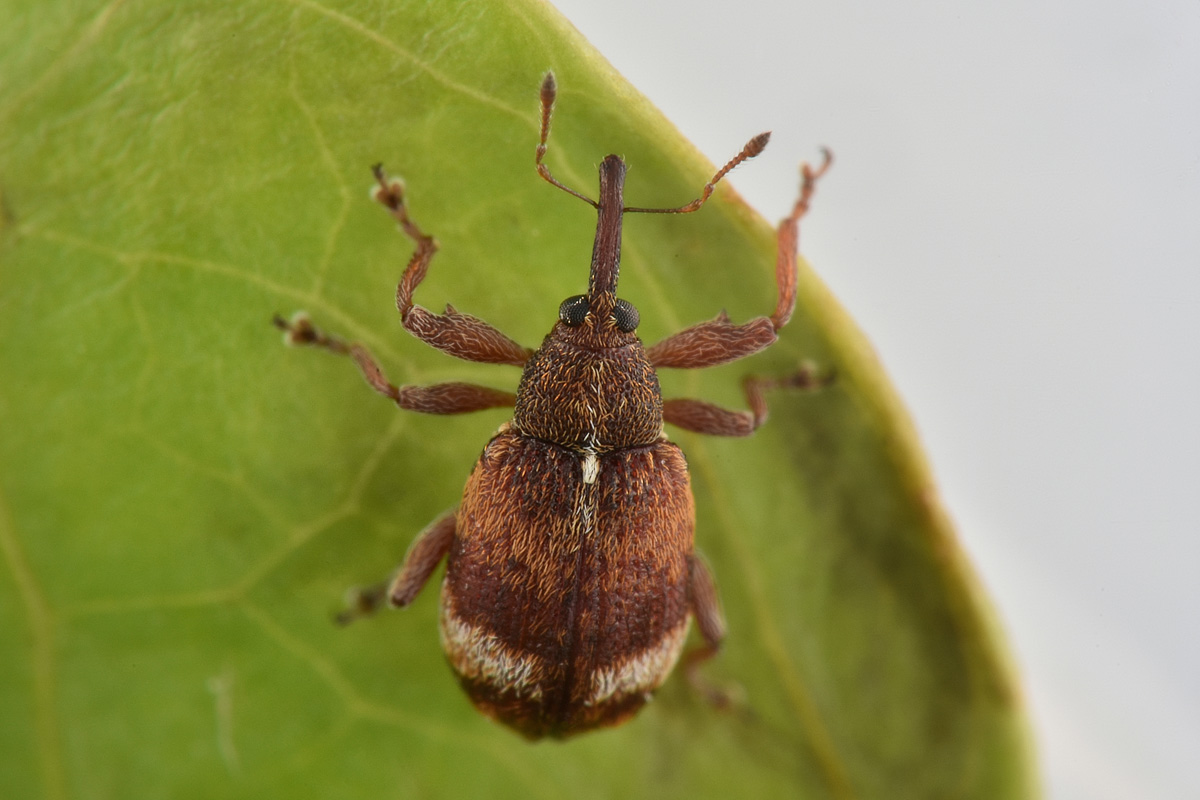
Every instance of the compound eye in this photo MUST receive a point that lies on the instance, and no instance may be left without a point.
(626, 316)
(573, 310)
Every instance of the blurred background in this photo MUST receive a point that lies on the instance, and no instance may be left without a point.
(1013, 221)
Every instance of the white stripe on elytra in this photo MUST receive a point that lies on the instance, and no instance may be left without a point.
(641, 673)
(478, 654)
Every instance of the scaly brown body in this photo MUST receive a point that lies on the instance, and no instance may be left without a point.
(565, 602)
(571, 576)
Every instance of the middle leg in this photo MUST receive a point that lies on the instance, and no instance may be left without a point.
(703, 417)
(440, 398)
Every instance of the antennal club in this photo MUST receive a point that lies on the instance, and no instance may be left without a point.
(752, 148)
(548, 93)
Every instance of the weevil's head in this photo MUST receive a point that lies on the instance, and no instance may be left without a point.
(590, 385)
(599, 319)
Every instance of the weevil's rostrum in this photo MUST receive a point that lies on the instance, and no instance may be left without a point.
(571, 576)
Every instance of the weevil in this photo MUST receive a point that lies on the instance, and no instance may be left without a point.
(571, 576)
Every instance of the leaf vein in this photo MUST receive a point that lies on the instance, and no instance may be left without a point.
(327, 157)
(378, 38)
(40, 619)
(367, 709)
(327, 309)
(90, 35)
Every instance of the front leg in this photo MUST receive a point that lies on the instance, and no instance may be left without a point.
(719, 341)
(440, 398)
(461, 335)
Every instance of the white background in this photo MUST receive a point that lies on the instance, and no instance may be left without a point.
(1014, 219)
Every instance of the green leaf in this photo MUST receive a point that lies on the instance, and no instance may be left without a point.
(183, 501)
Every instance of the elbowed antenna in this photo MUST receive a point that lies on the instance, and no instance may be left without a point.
(606, 253)
(752, 148)
(548, 93)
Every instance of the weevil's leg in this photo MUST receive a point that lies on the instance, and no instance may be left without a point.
(719, 341)
(706, 607)
(461, 335)
(361, 602)
(788, 240)
(702, 417)
(440, 398)
(422, 559)
(426, 552)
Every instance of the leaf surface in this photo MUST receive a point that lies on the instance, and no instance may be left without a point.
(183, 501)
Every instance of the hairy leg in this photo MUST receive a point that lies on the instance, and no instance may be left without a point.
(703, 417)
(719, 341)
(426, 552)
(706, 608)
(440, 398)
(461, 335)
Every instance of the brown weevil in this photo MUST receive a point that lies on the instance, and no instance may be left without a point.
(571, 576)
